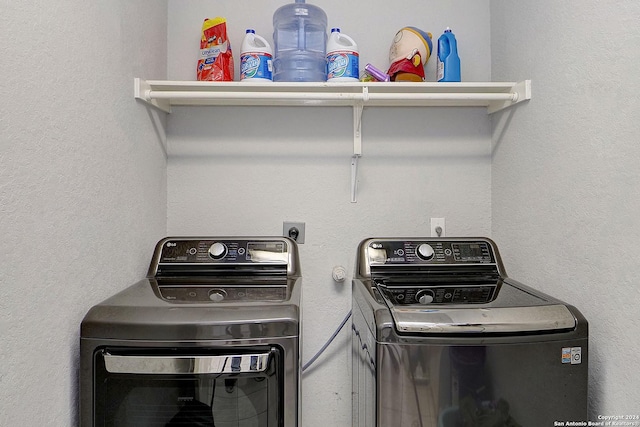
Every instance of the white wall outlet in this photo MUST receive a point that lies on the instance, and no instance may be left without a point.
(294, 230)
(437, 227)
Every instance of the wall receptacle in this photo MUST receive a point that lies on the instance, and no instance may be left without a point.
(294, 230)
(437, 227)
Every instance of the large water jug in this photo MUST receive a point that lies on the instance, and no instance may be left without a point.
(300, 43)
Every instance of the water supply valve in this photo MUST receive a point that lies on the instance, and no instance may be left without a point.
(339, 273)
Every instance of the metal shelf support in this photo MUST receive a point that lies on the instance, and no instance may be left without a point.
(358, 107)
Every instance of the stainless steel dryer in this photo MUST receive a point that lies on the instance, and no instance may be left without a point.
(443, 338)
(210, 338)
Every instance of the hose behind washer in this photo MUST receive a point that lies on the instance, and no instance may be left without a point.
(324, 347)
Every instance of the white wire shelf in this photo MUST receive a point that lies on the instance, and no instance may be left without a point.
(495, 96)
(164, 94)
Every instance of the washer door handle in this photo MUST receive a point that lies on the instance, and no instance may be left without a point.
(180, 365)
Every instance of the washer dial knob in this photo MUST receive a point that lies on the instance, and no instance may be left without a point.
(424, 297)
(217, 295)
(425, 251)
(218, 250)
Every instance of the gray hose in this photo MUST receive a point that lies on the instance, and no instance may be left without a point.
(324, 347)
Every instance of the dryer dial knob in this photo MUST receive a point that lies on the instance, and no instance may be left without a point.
(218, 250)
(217, 295)
(424, 297)
(425, 251)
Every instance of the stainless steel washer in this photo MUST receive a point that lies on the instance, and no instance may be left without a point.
(210, 338)
(442, 337)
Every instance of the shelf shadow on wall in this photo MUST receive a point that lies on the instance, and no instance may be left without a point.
(159, 123)
(243, 133)
(501, 123)
(317, 134)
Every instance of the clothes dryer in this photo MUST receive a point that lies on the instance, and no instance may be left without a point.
(211, 337)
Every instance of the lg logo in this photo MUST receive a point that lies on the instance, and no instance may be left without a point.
(171, 245)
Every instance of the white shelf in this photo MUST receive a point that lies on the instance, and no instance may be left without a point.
(163, 94)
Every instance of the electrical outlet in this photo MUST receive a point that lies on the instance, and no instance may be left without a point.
(294, 230)
(437, 227)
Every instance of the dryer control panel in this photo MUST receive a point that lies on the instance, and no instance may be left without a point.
(175, 256)
(224, 251)
(219, 294)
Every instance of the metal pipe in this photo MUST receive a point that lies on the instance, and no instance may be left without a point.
(254, 95)
(320, 96)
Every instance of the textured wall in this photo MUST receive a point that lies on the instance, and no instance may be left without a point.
(372, 25)
(245, 170)
(82, 185)
(565, 172)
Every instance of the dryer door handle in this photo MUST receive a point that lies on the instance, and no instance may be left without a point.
(181, 365)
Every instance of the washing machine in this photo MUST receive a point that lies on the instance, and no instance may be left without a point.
(442, 337)
(211, 337)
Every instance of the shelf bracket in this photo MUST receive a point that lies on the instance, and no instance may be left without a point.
(142, 92)
(357, 141)
(520, 92)
(357, 128)
(354, 178)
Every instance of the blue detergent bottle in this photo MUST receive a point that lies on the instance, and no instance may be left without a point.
(448, 59)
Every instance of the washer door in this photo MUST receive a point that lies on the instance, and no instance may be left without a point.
(177, 387)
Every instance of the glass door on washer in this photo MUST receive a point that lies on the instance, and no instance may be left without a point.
(145, 388)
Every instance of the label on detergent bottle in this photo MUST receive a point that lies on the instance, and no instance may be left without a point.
(256, 65)
(343, 64)
(439, 70)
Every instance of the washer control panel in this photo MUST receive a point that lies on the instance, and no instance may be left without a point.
(236, 251)
(421, 272)
(453, 252)
(440, 294)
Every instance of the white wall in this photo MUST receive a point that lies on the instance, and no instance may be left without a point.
(565, 173)
(82, 185)
(246, 170)
(82, 173)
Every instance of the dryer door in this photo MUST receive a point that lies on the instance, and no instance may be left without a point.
(195, 387)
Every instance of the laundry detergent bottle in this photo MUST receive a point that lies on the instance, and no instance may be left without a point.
(342, 58)
(300, 43)
(255, 58)
(448, 59)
